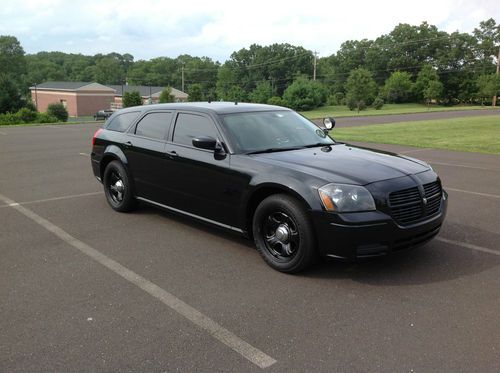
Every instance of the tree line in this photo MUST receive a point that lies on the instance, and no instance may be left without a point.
(409, 64)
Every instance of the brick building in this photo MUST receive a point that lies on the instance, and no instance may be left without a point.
(79, 98)
(85, 98)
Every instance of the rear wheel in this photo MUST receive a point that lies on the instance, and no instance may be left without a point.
(117, 187)
(283, 234)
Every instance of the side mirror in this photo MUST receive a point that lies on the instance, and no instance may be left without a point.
(328, 123)
(205, 142)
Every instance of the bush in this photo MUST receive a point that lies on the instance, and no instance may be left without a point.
(378, 103)
(275, 100)
(58, 111)
(8, 119)
(356, 105)
(336, 99)
(195, 92)
(46, 118)
(304, 94)
(132, 99)
(166, 96)
(360, 89)
(262, 92)
(26, 115)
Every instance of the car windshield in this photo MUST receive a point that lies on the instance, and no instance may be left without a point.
(256, 132)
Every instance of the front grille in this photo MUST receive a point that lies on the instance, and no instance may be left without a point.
(433, 193)
(407, 205)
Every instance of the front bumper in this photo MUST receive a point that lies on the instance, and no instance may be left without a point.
(350, 236)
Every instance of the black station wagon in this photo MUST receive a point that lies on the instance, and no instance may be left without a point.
(272, 175)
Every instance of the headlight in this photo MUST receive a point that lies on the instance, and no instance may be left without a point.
(346, 198)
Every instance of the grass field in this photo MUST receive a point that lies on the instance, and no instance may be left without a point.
(473, 134)
(343, 111)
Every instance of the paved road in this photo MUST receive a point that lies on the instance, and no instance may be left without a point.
(435, 309)
(395, 118)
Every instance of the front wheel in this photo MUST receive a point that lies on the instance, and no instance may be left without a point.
(283, 234)
(117, 187)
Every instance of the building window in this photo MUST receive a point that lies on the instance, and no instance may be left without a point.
(64, 103)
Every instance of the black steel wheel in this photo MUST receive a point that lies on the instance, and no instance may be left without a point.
(283, 234)
(117, 187)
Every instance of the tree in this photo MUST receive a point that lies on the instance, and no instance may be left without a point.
(488, 37)
(195, 92)
(262, 92)
(166, 96)
(488, 86)
(360, 89)
(132, 99)
(425, 76)
(109, 71)
(58, 111)
(10, 97)
(304, 94)
(398, 87)
(12, 74)
(235, 94)
(433, 91)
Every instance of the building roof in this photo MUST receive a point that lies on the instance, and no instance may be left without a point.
(144, 90)
(72, 86)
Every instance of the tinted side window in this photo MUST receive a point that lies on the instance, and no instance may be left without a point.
(122, 121)
(154, 125)
(189, 126)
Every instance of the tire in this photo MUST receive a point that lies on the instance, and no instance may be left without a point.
(118, 187)
(283, 234)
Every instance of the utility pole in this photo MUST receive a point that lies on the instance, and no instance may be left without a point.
(315, 62)
(182, 70)
(494, 103)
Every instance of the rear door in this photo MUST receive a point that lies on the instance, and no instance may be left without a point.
(145, 151)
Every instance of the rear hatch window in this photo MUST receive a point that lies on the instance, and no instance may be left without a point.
(121, 122)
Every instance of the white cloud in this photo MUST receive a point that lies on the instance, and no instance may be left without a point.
(149, 28)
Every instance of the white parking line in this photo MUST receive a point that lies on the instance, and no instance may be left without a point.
(476, 193)
(468, 246)
(54, 199)
(217, 331)
(85, 154)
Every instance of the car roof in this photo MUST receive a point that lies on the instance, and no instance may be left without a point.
(207, 107)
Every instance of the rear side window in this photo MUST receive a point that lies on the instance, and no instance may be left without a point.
(154, 125)
(122, 121)
(189, 126)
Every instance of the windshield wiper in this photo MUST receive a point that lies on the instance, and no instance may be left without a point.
(272, 150)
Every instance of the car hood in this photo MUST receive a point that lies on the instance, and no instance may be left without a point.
(345, 163)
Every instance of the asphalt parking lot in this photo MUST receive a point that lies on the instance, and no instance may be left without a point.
(83, 288)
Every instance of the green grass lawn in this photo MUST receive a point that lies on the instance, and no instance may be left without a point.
(473, 134)
(343, 111)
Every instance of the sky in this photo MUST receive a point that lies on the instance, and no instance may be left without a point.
(213, 28)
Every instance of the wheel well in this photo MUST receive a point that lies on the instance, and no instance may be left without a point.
(104, 162)
(260, 195)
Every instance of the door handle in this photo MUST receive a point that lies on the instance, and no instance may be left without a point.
(173, 154)
(128, 144)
